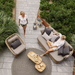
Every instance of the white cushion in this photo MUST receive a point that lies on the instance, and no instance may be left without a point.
(46, 36)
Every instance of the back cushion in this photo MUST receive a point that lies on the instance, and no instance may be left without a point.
(48, 31)
(12, 39)
(53, 29)
(42, 31)
(53, 37)
(15, 44)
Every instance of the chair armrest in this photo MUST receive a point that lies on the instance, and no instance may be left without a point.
(67, 56)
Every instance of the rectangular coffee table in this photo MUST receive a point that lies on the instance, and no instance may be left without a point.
(34, 57)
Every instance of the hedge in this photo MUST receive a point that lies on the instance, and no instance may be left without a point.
(61, 15)
(6, 6)
(8, 26)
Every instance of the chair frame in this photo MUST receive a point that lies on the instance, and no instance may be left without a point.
(6, 41)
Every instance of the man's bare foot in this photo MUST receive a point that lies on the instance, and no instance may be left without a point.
(42, 55)
(24, 35)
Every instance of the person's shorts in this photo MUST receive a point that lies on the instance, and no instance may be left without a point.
(55, 48)
(23, 25)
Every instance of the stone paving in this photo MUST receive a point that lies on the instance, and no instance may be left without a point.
(30, 7)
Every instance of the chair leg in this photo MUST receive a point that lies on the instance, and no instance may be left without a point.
(15, 56)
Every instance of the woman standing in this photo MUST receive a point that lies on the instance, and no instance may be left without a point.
(23, 21)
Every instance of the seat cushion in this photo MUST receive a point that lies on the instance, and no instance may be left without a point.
(57, 57)
(19, 49)
(12, 39)
(15, 44)
(43, 42)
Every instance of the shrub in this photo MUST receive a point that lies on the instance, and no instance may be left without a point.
(3, 1)
(2, 6)
(7, 6)
(61, 16)
(45, 6)
(73, 41)
(43, 1)
(8, 26)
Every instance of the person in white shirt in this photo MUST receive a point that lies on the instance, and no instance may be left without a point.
(23, 21)
(56, 45)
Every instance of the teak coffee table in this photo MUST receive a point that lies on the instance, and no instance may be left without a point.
(34, 57)
(40, 66)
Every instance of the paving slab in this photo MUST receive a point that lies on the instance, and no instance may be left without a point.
(30, 7)
(5, 72)
(7, 65)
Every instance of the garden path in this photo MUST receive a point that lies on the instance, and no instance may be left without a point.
(30, 7)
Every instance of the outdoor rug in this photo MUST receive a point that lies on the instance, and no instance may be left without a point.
(23, 66)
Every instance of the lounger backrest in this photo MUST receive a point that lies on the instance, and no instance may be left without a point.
(12, 39)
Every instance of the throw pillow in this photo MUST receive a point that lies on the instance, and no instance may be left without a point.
(48, 30)
(46, 36)
(57, 38)
(60, 50)
(53, 37)
(66, 51)
(15, 44)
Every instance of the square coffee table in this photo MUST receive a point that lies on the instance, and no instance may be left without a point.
(40, 67)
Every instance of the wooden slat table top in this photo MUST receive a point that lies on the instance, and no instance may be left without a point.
(32, 56)
(41, 67)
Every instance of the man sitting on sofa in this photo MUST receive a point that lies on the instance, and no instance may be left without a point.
(56, 45)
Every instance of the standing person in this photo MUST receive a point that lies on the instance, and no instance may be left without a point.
(23, 21)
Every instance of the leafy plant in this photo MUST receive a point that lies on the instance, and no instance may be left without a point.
(7, 6)
(73, 41)
(8, 26)
(43, 1)
(45, 6)
(61, 15)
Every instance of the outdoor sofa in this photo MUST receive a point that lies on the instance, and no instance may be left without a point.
(54, 55)
(20, 47)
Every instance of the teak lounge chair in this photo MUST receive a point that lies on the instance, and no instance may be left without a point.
(20, 48)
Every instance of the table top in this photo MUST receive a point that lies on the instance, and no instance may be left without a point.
(34, 57)
(40, 67)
